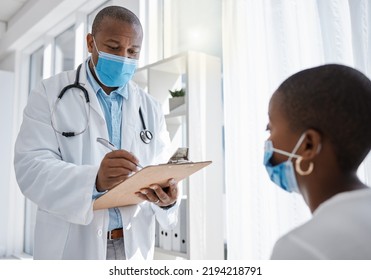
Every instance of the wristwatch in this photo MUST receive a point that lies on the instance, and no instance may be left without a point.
(168, 207)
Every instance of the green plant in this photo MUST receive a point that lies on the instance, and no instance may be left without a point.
(177, 93)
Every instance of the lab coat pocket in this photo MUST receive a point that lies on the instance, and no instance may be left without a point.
(50, 236)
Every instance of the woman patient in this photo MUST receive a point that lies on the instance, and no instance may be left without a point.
(320, 132)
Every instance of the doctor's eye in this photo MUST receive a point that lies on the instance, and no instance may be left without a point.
(133, 52)
(113, 48)
(268, 128)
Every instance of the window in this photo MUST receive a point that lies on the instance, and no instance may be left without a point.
(92, 15)
(36, 67)
(65, 51)
(35, 77)
(264, 42)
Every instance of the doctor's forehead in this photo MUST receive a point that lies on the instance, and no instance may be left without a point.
(116, 28)
(116, 13)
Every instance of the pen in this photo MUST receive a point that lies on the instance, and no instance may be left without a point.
(110, 146)
(107, 144)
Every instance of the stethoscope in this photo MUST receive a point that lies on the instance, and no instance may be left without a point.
(145, 135)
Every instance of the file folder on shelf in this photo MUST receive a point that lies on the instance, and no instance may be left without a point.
(179, 233)
(164, 239)
(124, 193)
(157, 234)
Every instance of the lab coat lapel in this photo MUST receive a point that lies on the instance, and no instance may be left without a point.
(94, 103)
(130, 119)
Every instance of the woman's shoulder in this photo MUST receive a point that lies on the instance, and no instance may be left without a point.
(337, 227)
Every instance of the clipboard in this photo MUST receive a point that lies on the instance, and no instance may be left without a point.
(124, 193)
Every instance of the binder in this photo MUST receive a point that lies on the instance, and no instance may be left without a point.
(165, 239)
(157, 234)
(179, 233)
(124, 193)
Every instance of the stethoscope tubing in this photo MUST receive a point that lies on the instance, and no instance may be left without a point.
(145, 135)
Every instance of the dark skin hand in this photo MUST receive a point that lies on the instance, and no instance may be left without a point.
(161, 196)
(115, 168)
(118, 165)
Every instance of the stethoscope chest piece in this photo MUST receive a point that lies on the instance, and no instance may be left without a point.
(145, 134)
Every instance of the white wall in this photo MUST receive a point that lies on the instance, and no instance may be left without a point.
(8, 62)
(6, 151)
(193, 25)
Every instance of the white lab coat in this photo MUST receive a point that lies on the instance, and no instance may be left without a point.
(58, 173)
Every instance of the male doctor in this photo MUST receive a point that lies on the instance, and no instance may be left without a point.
(60, 166)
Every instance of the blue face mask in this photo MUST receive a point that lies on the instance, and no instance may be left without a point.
(113, 70)
(282, 174)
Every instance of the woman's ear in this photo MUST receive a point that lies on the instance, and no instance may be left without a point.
(311, 144)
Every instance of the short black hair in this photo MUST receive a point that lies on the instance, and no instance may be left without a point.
(335, 100)
(115, 12)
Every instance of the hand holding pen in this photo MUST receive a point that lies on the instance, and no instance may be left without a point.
(110, 146)
(115, 167)
(163, 196)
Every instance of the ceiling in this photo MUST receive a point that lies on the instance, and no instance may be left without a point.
(10, 7)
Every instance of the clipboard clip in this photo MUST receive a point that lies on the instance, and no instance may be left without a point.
(180, 156)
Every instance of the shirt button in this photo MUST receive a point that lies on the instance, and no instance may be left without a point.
(99, 232)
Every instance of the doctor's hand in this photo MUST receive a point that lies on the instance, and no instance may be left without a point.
(115, 168)
(160, 195)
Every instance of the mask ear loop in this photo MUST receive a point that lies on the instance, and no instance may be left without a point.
(292, 154)
(95, 45)
(296, 148)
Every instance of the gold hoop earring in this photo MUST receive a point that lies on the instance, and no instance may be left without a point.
(300, 171)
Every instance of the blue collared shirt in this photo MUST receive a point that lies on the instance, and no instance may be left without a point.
(112, 108)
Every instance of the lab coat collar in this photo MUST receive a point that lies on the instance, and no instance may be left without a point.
(133, 97)
(94, 103)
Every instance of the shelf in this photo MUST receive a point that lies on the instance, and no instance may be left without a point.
(176, 65)
(161, 254)
(176, 121)
(178, 111)
(198, 125)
